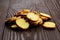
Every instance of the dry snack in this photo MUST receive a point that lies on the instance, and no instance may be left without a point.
(23, 12)
(24, 18)
(32, 16)
(13, 18)
(39, 22)
(49, 25)
(22, 23)
(20, 13)
(14, 26)
(26, 11)
(45, 16)
(35, 12)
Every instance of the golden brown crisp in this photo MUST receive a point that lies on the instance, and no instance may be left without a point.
(14, 26)
(32, 16)
(12, 19)
(45, 15)
(40, 21)
(22, 23)
(49, 25)
(44, 18)
(26, 11)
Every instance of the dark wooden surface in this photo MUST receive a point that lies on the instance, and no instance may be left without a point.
(10, 7)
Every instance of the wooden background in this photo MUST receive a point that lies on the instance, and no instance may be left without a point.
(10, 7)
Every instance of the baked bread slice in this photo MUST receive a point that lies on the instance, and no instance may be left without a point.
(39, 22)
(45, 15)
(32, 16)
(49, 25)
(22, 23)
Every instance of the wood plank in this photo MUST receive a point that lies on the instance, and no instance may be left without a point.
(56, 31)
(40, 6)
(3, 13)
(49, 34)
(55, 13)
(57, 3)
(38, 33)
(30, 34)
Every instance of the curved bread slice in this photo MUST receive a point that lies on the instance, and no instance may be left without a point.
(32, 16)
(44, 18)
(26, 11)
(40, 21)
(14, 26)
(22, 23)
(49, 25)
(45, 15)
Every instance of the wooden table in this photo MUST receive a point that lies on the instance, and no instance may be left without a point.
(10, 7)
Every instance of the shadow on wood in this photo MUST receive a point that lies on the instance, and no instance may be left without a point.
(8, 25)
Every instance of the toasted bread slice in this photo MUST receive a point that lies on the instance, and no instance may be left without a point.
(32, 16)
(49, 25)
(45, 15)
(44, 18)
(12, 19)
(26, 11)
(22, 23)
(14, 26)
(21, 13)
(40, 21)
(35, 12)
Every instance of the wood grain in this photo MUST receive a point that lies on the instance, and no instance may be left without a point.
(10, 7)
